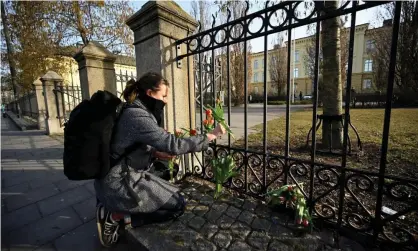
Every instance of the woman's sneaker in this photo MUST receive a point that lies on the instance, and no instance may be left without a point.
(106, 226)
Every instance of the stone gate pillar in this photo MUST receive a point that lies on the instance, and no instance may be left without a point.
(157, 26)
(40, 104)
(96, 66)
(52, 103)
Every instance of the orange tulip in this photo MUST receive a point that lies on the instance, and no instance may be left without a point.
(193, 132)
(208, 113)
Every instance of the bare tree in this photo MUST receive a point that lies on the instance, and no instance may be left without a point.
(237, 56)
(406, 72)
(278, 64)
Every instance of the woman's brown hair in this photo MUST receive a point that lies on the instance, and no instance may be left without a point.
(149, 81)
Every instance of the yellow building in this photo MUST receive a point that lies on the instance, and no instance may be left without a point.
(362, 77)
(124, 65)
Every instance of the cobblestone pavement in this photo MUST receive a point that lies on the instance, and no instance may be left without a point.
(231, 223)
(40, 208)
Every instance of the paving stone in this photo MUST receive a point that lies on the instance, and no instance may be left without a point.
(62, 200)
(14, 190)
(222, 239)
(197, 223)
(46, 229)
(233, 212)
(249, 205)
(246, 217)
(47, 247)
(18, 201)
(188, 190)
(220, 207)
(236, 202)
(208, 230)
(213, 215)
(65, 185)
(258, 240)
(3, 207)
(278, 246)
(261, 224)
(83, 238)
(239, 246)
(146, 238)
(90, 187)
(280, 231)
(200, 210)
(225, 222)
(262, 210)
(206, 200)
(349, 245)
(196, 195)
(52, 178)
(203, 245)
(240, 230)
(86, 209)
(186, 216)
(20, 217)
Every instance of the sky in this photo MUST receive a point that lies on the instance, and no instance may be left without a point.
(365, 16)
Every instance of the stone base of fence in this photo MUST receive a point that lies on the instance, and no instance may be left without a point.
(20, 122)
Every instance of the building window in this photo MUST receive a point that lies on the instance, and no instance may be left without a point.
(274, 59)
(296, 72)
(370, 45)
(367, 84)
(296, 56)
(262, 76)
(256, 90)
(368, 65)
(256, 77)
(255, 64)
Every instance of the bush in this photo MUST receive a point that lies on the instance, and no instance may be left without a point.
(276, 102)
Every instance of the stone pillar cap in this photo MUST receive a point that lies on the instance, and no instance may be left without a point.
(51, 76)
(37, 82)
(94, 50)
(168, 10)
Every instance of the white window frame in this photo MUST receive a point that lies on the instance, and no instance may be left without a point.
(368, 65)
(256, 64)
(296, 72)
(255, 77)
(297, 56)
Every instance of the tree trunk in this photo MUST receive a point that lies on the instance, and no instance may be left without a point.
(332, 88)
(10, 53)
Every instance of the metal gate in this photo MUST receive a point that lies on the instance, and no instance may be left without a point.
(336, 193)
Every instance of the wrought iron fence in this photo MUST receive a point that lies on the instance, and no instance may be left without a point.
(25, 104)
(345, 197)
(121, 79)
(66, 99)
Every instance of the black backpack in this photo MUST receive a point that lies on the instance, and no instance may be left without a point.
(87, 136)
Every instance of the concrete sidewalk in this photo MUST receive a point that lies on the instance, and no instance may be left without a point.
(40, 208)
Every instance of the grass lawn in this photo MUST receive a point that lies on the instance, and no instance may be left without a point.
(403, 139)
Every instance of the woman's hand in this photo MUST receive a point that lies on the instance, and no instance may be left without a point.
(218, 131)
(163, 156)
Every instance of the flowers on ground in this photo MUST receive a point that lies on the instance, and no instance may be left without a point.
(291, 196)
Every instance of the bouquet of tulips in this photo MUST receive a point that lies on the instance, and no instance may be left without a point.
(292, 196)
(216, 114)
(223, 168)
(179, 134)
